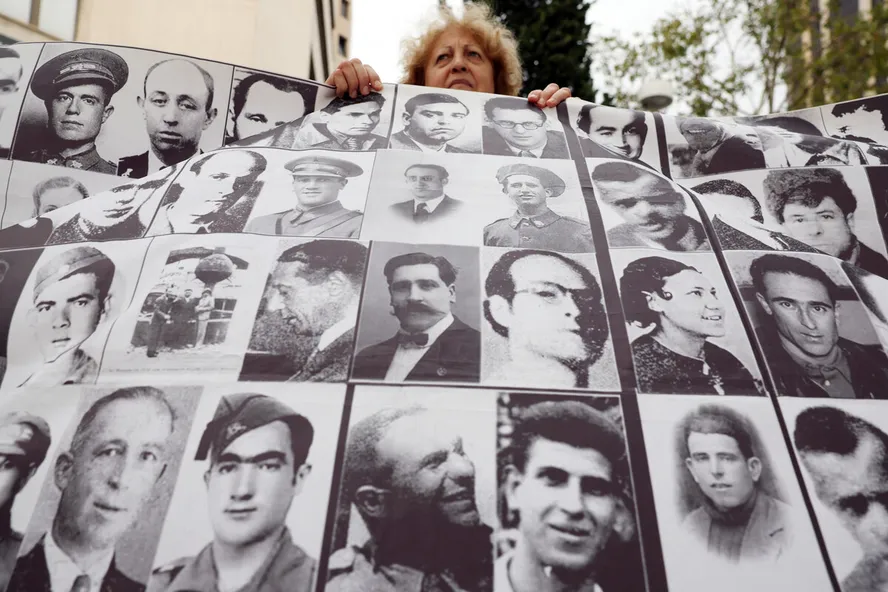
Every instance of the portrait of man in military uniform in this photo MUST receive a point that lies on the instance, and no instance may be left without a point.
(24, 442)
(257, 449)
(411, 481)
(76, 88)
(105, 477)
(317, 184)
(534, 225)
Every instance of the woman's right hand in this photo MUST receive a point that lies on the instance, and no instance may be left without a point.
(352, 77)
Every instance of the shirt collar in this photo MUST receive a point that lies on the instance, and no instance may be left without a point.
(545, 219)
(63, 571)
(297, 215)
(434, 332)
(538, 152)
(431, 204)
(339, 328)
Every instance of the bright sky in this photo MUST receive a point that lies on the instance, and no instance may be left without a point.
(379, 25)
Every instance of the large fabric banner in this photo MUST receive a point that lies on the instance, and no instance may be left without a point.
(256, 337)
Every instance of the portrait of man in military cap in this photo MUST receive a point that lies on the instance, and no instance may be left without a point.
(317, 184)
(215, 193)
(257, 449)
(71, 296)
(24, 442)
(76, 88)
(533, 224)
(177, 104)
(104, 480)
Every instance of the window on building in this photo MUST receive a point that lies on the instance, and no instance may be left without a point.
(343, 8)
(54, 17)
(343, 45)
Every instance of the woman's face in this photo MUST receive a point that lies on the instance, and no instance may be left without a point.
(458, 61)
(694, 305)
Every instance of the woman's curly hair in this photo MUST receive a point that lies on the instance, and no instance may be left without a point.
(496, 40)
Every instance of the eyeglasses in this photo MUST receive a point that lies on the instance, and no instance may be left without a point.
(527, 125)
(555, 294)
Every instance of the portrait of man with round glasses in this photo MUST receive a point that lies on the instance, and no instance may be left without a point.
(516, 127)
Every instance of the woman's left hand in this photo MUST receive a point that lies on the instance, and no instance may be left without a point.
(549, 96)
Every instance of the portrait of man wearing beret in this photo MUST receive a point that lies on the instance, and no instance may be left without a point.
(24, 442)
(257, 448)
(76, 87)
(317, 182)
(71, 296)
(534, 225)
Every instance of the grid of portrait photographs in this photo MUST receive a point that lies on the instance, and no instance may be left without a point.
(433, 340)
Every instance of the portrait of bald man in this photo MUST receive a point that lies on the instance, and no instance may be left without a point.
(177, 104)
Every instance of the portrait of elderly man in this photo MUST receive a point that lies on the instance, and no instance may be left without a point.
(344, 124)
(846, 458)
(566, 480)
(621, 131)
(652, 209)
(816, 207)
(10, 77)
(429, 203)
(24, 442)
(550, 310)
(432, 343)
(681, 311)
(738, 220)
(57, 192)
(517, 127)
(862, 120)
(314, 290)
(76, 88)
(118, 453)
(70, 298)
(257, 449)
(214, 194)
(534, 225)
(317, 183)
(261, 102)
(177, 104)
(715, 150)
(738, 516)
(431, 122)
(408, 477)
(800, 335)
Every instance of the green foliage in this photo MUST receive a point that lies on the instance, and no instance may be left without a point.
(553, 42)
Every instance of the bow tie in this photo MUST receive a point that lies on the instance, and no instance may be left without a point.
(420, 339)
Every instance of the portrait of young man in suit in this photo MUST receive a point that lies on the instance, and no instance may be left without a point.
(430, 203)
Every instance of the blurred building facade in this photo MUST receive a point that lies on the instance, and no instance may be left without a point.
(304, 38)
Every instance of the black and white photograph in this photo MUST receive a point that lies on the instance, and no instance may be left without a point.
(417, 504)
(699, 146)
(513, 126)
(261, 102)
(111, 484)
(191, 313)
(826, 209)
(815, 334)
(30, 428)
(16, 66)
(65, 311)
(799, 138)
(545, 324)
(872, 290)
(121, 110)
(15, 269)
(213, 193)
(567, 515)
(34, 190)
(686, 333)
(420, 315)
(436, 121)
(641, 208)
(609, 132)
(250, 504)
(338, 123)
(312, 193)
(728, 504)
(305, 325)
(477, 200)
(862, 121)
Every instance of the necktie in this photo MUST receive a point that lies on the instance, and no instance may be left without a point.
(81, 583)
(351, 143)
(421, 214)
(527, 154)
(420, 339)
